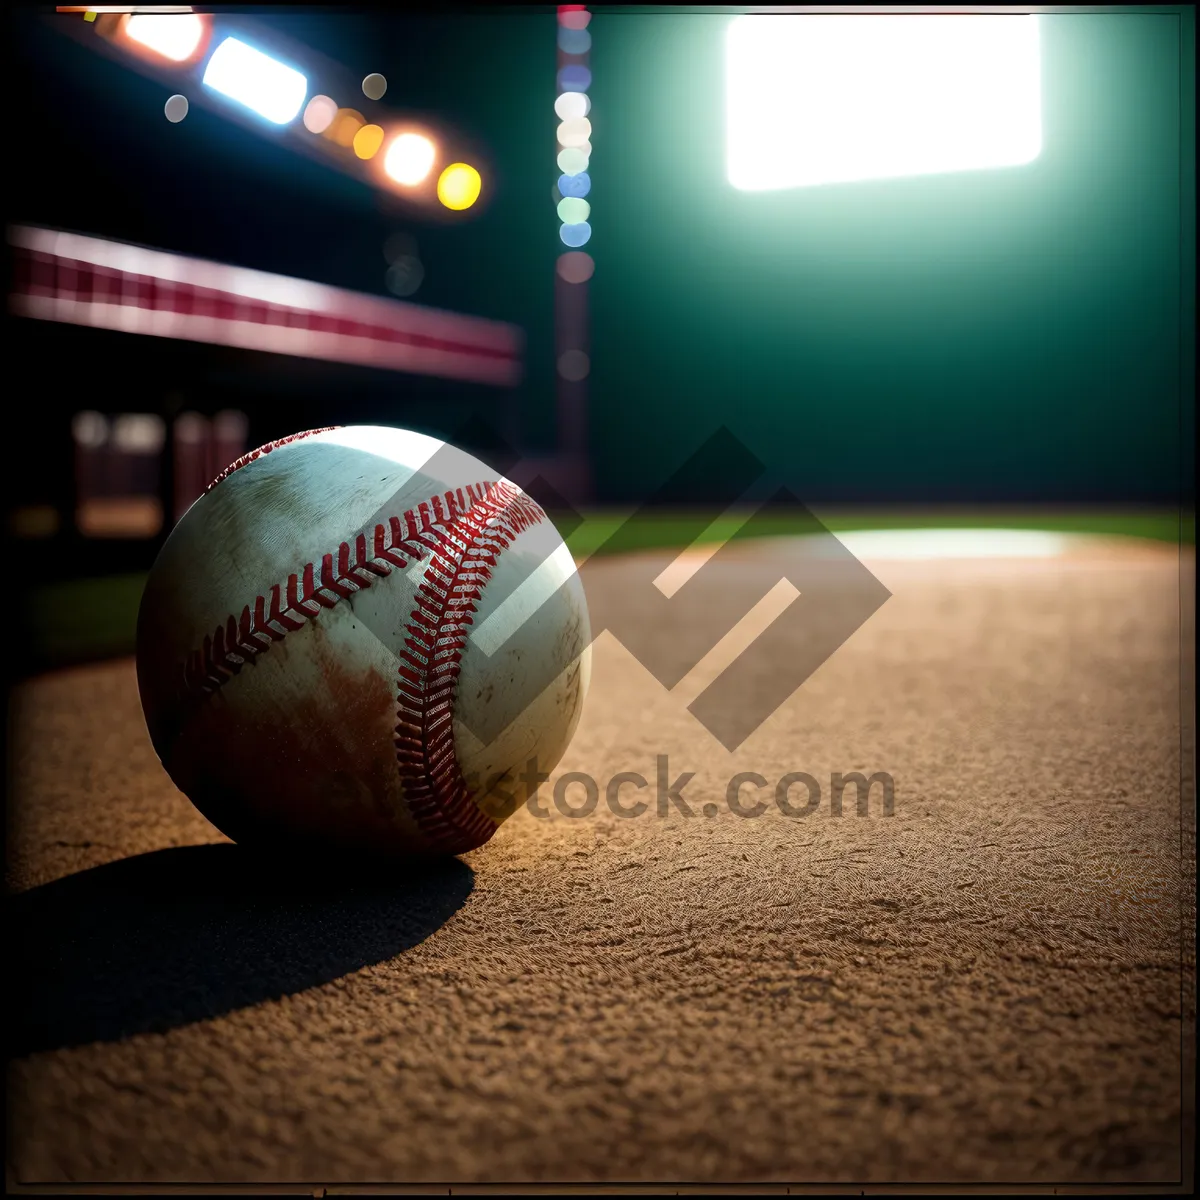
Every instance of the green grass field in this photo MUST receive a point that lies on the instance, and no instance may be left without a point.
(91, 619)
(667, 529)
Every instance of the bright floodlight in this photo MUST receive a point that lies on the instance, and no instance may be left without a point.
(256, 80)
(409, 158)
(829, 99)
(174, 36)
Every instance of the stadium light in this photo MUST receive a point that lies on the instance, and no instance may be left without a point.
(574, 185)
(367, 141)
(284, 83)
(344, 127)
(572, 105)
(409, 159)
(175, 37)
(575, 129)
(572, 210)
(319, 114)
(574, 132)
(256, 80)
(572, 161)
(575, 235)
(459, 186)
(826, 98)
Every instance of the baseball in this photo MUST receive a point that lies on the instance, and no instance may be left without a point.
(361, 637)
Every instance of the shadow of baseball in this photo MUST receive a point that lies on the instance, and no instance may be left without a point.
(160, 940)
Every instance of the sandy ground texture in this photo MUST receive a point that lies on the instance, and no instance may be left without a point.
(994, 983)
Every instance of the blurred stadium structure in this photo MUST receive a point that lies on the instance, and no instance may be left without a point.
(111, 285)
(121, 487)
(127, 477)
(131, 451)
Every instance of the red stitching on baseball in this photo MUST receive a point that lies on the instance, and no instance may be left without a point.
(237, 464)
(438, 796)
(462, 533)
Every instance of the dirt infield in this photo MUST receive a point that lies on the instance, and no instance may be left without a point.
(989, 985)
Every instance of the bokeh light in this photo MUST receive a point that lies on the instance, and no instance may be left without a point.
(575, 185)
(90, 429)
(139, 433)
(572, 210)
(575, 235)
(405, 275)
(572, 161)
(409, 159)
(367, 141)
(576, 266)
(574, 365)
(176, 108)
(231, 425)
(34, 521)
(191, 428)
(572, 104)
(574, 41)
(574, 132)
(374, 86)
(175, 35)
(459, 186)
(574, 79)
(319, 114)
(346, 123)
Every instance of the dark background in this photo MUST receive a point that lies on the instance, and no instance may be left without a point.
(1019, 335)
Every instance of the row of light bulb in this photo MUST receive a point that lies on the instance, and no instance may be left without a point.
(573, 107)
(277, 92)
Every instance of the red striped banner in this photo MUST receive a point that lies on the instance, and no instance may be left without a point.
(113, 285)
